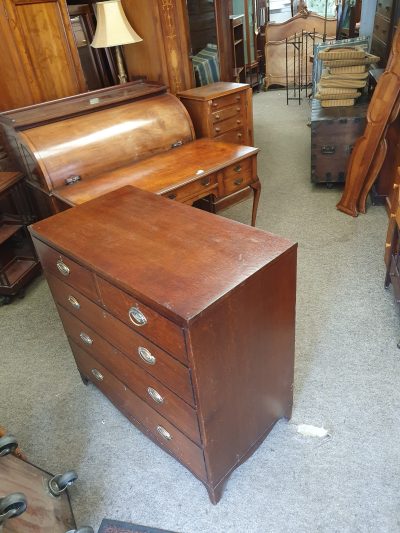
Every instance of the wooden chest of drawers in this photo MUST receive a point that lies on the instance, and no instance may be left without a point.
(183, 320)
(221, 110)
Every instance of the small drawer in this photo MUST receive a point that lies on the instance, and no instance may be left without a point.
(225, 101)
(379, 48)
(200, 187)
(140, 350)
(235, 136)
(227, 125)
(67, 270)
(384, 8)
(238, 176)
(141, 318)
(138, 411)
(382, 28)
(157, 395)
(225, 113)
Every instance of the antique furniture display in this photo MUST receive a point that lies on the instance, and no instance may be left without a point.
(370, 150)
(223, 111)
(18, 261)
(80, 150)
(334, 131)
(31, 499)
(293, 29)
(39, 60)
(199, 357)
(385, 25)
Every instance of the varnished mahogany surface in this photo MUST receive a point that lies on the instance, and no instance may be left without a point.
(161, 173)
(227, 290)
(213, 90)
(223, 261)
(89, 102)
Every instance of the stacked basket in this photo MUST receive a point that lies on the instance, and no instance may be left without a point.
(344, 75)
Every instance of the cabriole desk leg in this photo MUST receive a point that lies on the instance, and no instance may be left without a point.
(257, 191)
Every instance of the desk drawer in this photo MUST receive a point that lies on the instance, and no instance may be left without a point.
(238, 176)
(140, 350)
(67, 270)
(143, 319)
(228, 100)
(202, 187)
(137, 410)
(225, 113)
(235, 136)
(157, 395)
(227, 125)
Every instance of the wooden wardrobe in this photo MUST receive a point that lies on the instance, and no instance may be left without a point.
(39, 60)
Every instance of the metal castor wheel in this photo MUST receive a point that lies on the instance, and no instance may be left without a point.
(60, 482)
(8, 444)
(11, 506)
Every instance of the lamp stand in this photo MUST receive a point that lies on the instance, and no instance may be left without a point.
(122, 76)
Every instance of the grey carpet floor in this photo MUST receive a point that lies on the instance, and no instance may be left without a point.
(347, 380)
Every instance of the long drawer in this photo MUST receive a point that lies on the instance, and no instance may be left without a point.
(228, 100)
(141, 318)
(68, 270)
(139, 381)
(137, 410)
(140, 350)
(227, 125)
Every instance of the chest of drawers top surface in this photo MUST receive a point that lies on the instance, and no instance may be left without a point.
(174, 257)
(213, 90)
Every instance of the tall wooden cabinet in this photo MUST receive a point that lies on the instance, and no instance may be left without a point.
(385, 24)
(39, 60)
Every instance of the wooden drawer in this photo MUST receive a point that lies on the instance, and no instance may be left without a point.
(157, 395)
(228, 100)
(64, 268)
(235, 136)
(200, 187)
(382, 28)
(384, 8)
(154, 326)
(379, 48)
(225, 113)
(227, 125)
(237, 176)
(139, 411)
(137, 348)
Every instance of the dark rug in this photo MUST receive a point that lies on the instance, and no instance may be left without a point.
(113, 526)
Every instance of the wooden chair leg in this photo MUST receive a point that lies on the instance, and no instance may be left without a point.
(257, 191)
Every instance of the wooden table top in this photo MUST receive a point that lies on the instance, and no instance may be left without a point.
(169, 255)
(212, 90)
(161, 172)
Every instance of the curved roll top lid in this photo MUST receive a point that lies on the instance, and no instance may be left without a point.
(91, 144)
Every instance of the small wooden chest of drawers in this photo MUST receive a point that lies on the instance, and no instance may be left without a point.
(221, 110)
(183, 320)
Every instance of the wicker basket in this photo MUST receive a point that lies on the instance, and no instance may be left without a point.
(348, 70)
(344, 84)
(337, 91)
(348, 102)
(369, 59)
(345, 76)
(332, 96)
(350, 52)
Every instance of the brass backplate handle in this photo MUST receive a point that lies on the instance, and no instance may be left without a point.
(137, 317)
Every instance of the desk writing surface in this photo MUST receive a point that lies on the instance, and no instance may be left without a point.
(177, 257)
(161, 172)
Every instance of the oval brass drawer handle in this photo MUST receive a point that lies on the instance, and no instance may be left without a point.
(137, 317)
(217, 117)
(97, 374)
(74, 302)
(154, 395)
(206, 182)
(164, 433)
(146, 356)
(238, 168)
(62, 268)
(85, 338)
(239, 181)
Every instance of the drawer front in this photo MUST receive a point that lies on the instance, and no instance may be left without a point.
(141, 318)
(379, 48)
(139, 411)
(140, 350)
(235, 136)
(382, 28)
(67, 270)
(225, 101)
(225, 113)
(152, 391)
(384, 8)
(227, 125)
(199, 188)
(238, 176)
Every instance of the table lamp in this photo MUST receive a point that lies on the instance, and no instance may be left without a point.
(113, 29)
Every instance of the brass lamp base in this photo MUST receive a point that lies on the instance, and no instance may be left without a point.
(122, 76)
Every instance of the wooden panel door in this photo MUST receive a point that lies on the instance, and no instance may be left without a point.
(41, 33)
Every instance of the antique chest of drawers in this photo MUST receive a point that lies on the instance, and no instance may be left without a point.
(185, 321)
(221, 110)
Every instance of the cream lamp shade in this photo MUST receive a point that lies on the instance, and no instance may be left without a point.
(113, 28)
